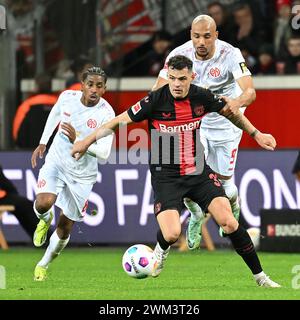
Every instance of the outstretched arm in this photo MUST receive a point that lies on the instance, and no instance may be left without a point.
(249, 95)
(80, 147)
(245, 99)
(52, 122)
(266, 141)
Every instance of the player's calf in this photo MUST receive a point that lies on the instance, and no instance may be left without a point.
(243, 245)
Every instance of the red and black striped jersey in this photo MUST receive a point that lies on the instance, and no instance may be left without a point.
(173, 125)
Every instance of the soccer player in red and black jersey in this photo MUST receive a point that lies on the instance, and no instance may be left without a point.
(177, 164)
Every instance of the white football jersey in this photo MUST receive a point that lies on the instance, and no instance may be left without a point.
(85, 120)
(217, 74)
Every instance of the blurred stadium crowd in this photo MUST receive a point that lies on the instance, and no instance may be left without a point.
(54, 39)
(262, 29)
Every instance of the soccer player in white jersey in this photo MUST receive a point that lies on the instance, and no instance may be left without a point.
(221, 68)
(62, 180)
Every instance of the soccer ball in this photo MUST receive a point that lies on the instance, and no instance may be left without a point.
(138, 261)
(254, 234)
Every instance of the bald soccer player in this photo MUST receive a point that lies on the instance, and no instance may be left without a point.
(220, 67)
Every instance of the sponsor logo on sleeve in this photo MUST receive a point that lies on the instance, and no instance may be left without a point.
(136, 108)
(243, 67)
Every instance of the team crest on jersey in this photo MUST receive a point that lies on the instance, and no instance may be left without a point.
(215, 72)
(136, 108)
(199, 110)
(92, 123)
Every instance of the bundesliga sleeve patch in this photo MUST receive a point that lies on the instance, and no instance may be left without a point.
(136, 108)
(243, 67)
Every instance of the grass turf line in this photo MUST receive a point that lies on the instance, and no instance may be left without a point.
(97, 274)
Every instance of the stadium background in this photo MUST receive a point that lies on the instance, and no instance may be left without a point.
(106, 32)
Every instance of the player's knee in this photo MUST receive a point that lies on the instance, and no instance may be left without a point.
(228, 222)
(43, 204)
(172, 236)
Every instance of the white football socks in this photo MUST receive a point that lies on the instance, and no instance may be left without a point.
(231, 191)
(55, 247)
(42, 216)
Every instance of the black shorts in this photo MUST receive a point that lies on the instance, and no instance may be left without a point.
(170, 191)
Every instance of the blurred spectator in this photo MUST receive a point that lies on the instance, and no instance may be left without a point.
(291, 63)
(31, 115)
(266, 61)
(64, 70)
(21, 19)
(249, 33)
(282, 26)
(23, 207)
(152, 61)
(225, 26)
(79, 66)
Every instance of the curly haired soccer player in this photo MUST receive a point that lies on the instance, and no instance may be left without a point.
(62, 180)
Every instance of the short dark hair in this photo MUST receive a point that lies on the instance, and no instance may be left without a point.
(94, 71)
(180, 62)
(293, 37)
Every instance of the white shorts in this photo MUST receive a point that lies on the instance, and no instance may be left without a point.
(221, 155)
(72, 196)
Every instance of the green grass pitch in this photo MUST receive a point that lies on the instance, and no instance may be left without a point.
(97, 274)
